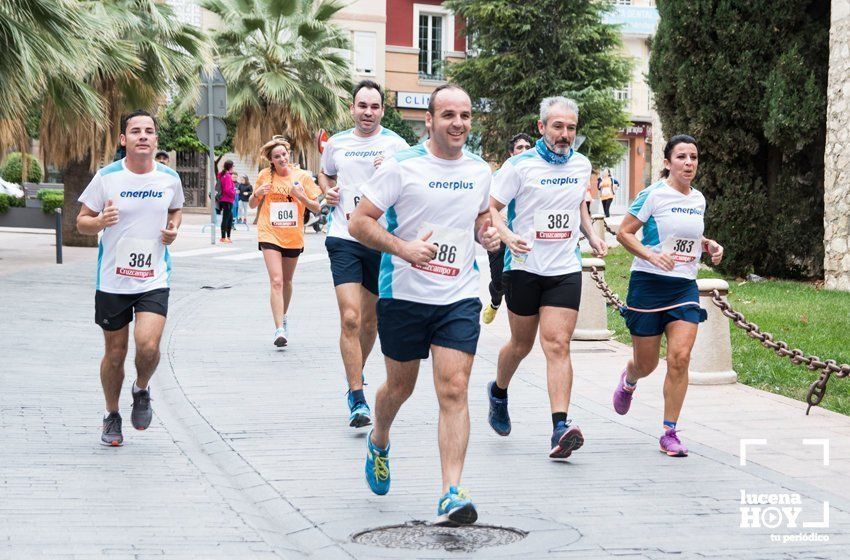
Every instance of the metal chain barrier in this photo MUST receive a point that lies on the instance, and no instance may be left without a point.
(827, 367)
(607, 228)
(612, 298)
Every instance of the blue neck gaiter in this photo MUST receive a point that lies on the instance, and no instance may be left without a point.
(549, 155)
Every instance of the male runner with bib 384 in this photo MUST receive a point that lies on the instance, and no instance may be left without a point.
(137, 203)
(348, 162)
(435, 198)
(543, 189)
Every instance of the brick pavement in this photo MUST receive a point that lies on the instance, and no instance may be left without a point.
(250, 454)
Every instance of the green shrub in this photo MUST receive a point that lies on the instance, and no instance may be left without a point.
(12, 171)
(51, 199)
(8, 201)
(758, 111)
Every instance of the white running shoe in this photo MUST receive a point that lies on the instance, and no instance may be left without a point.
(280, 337)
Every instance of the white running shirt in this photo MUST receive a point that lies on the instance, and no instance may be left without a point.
(544, 201)
(672, 223)
(131, 258)
(351, 159)
(419, 192)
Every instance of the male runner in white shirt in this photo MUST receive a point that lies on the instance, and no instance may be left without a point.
(435, 200)
(543, 189)
(349, 161)
(137, 203)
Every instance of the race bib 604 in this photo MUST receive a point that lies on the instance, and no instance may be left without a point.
(284, 214)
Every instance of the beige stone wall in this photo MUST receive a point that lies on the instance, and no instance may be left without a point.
(837, 157)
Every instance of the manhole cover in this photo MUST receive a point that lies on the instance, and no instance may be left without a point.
(419, 535)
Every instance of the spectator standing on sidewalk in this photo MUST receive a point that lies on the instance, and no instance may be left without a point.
(228, 195)
(245, 190)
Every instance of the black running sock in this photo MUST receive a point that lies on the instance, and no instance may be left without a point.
(558, 417)
(498, 392)
(358, 396)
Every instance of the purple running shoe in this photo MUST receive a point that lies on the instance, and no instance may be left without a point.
(671, 445)
(622, 396)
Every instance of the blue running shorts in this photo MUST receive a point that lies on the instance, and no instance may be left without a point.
(654, 291)
(407, 329)
(352, 262)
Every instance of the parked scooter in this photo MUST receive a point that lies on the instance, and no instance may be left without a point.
(317, 221)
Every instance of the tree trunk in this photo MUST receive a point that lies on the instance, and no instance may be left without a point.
(77, 177)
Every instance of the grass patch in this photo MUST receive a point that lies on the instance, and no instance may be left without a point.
(814, 320)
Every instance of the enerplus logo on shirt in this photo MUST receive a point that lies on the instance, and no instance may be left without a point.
(558, 181)
(690, 211)
(451, 185)
(143, 194)
(363, 153)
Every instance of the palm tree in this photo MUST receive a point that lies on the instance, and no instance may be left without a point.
(43, 42)
(147, 56)
(285, 68)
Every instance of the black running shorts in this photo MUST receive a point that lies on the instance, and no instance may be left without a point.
(113, 312)
(526, 292)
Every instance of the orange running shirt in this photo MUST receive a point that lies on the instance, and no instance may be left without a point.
(281, 220)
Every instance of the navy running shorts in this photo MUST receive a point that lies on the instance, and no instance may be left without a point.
(654, 291)
(407, 329)
(352, 262)
(113, 312)
(526, 292)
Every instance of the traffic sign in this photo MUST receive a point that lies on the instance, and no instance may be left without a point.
(219, 133)
(321, 140)
(216, 83)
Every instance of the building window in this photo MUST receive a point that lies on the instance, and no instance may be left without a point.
(431, 53)
(623, 94)
(365, 44)
(623, 2)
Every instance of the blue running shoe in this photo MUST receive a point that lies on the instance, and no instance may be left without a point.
(377, 467)
(498, 417)
(360, 413)
(455, 508)
(566, 438)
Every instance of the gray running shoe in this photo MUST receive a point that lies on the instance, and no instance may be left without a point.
(142, 411)
(112, 430)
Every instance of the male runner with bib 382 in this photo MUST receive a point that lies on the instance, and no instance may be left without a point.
(137, 203)
(348, 162)
(543, 189)
(435, 199)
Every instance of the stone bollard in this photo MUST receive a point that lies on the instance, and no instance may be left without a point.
(592, 321)
(711, 358)
(599, 225)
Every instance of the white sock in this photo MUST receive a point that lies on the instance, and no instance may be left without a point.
(106, 414)
(136, 388)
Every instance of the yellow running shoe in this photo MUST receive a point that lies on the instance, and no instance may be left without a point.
(489, 313)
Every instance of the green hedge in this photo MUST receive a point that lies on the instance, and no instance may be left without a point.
(8, 201)
(748, 80)
(51, 199)
(12, 170)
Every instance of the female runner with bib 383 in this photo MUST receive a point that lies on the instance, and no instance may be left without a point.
(663, 296)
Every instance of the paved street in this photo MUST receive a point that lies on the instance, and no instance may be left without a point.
(250, 456)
